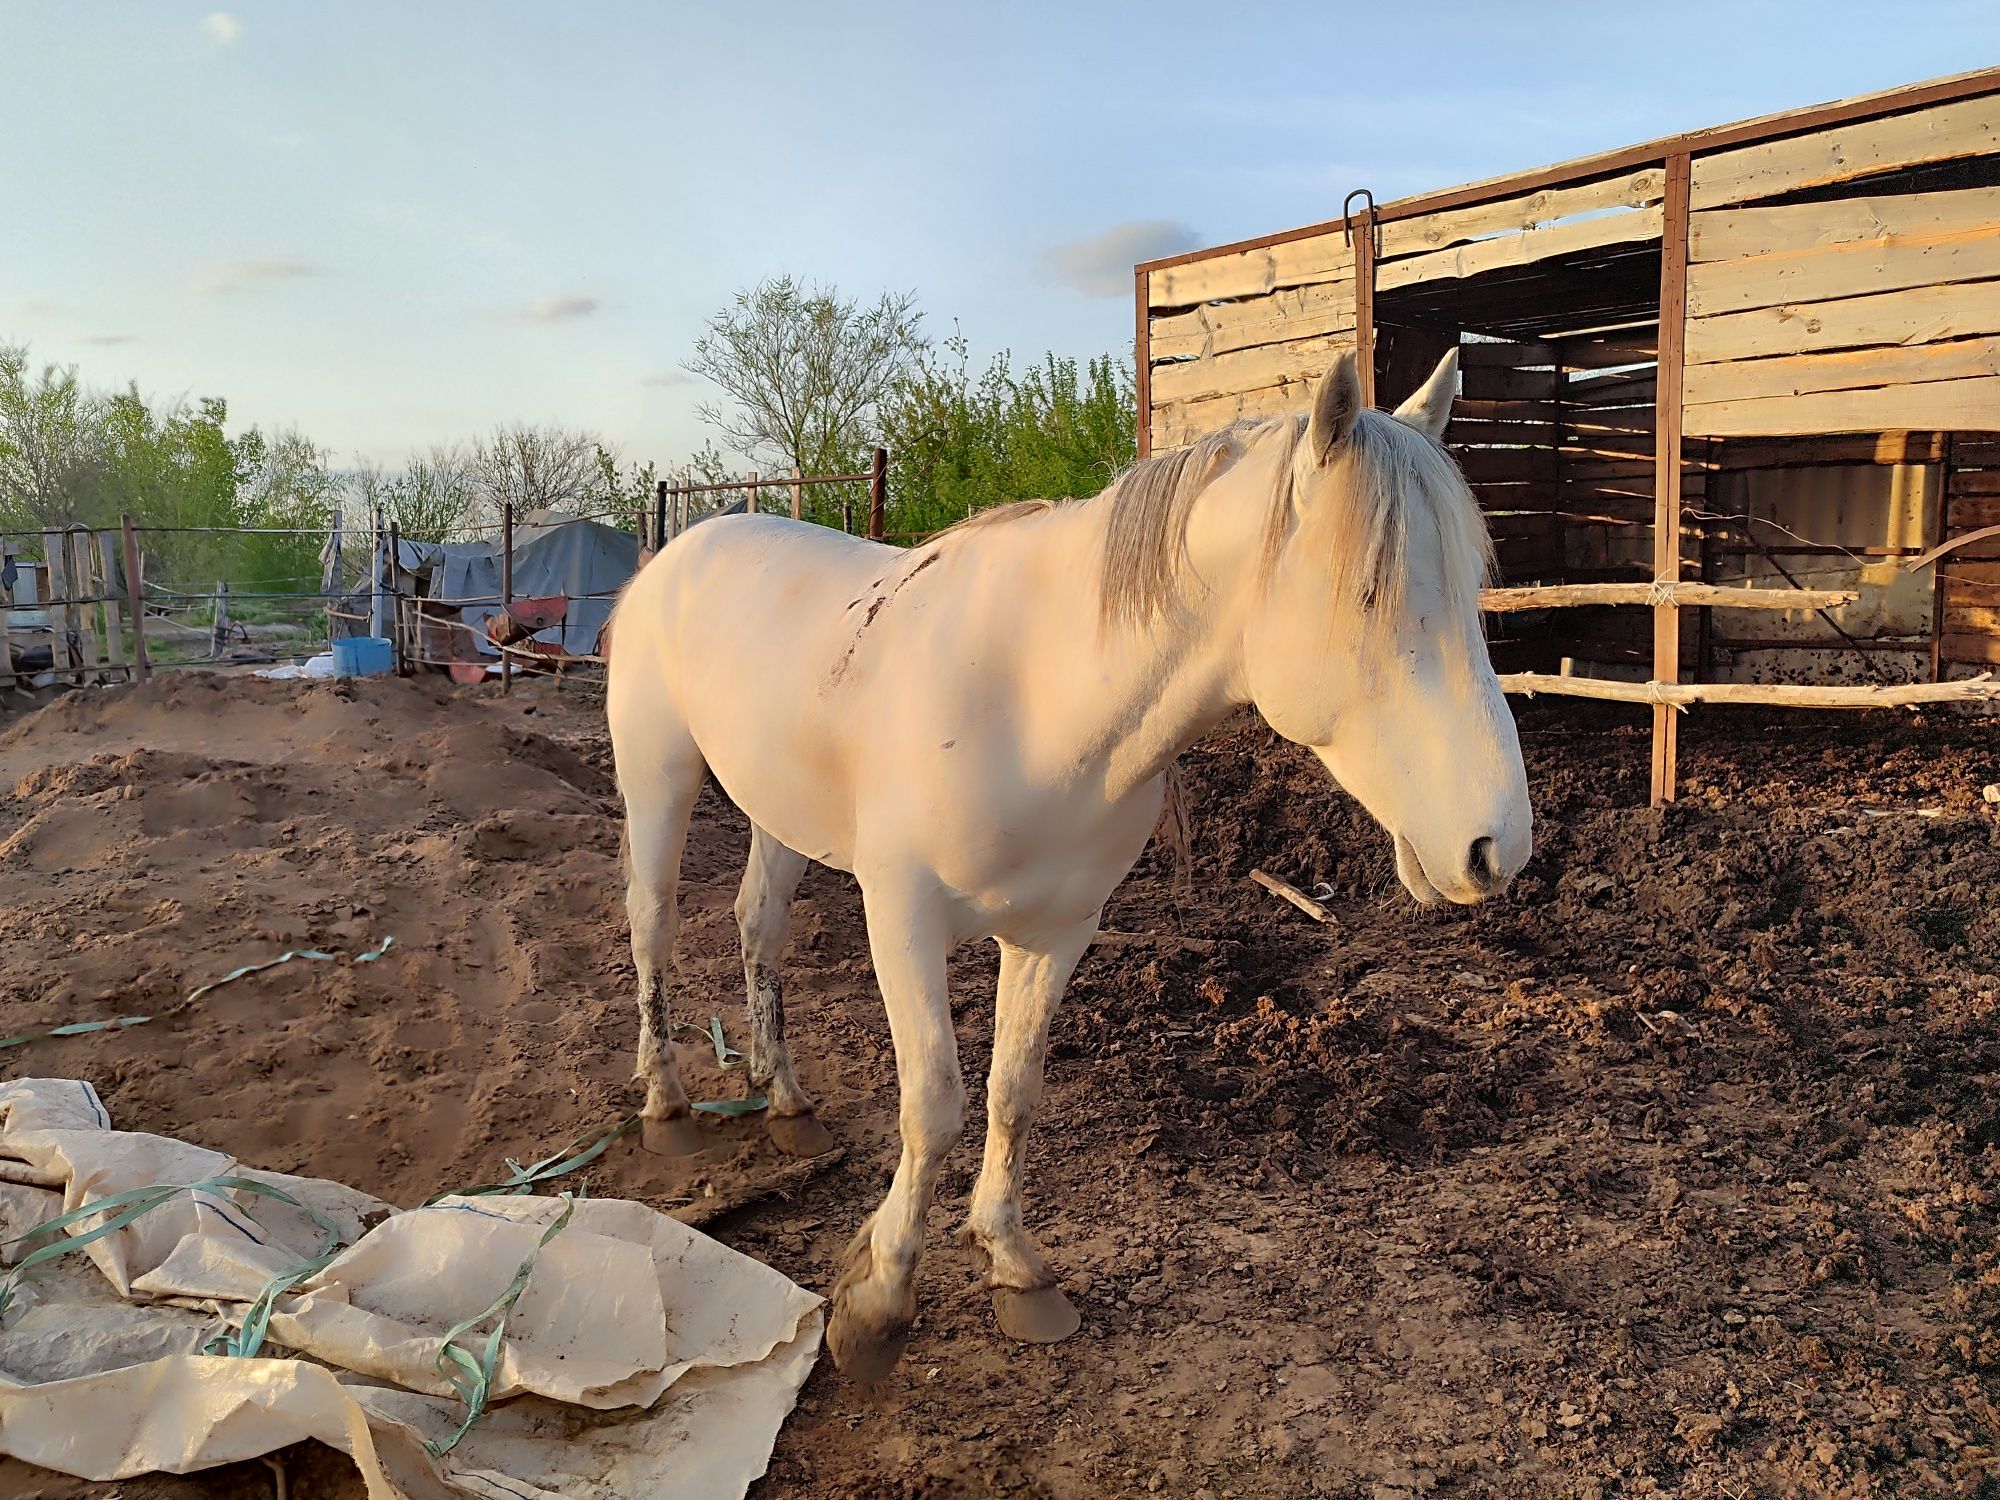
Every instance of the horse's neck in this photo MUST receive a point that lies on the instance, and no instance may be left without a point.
(1147, 692)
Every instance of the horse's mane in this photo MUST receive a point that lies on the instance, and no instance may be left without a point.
(1390, 476)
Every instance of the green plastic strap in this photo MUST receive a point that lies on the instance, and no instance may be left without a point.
(730, 1106)
(726, 1056)
(473, 1379)
(247, 1340)
(580, 1152)
(124, 1208)
(80, 1028)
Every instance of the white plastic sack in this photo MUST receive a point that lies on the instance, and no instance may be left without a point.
(312, 666)
(642, 1358)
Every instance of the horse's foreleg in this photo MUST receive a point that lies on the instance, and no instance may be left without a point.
(875, 1300)
(656, 821)
(764, 918)
(1025, 1296)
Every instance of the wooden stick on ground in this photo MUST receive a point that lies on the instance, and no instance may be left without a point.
(1296, 896)
(788, 1178)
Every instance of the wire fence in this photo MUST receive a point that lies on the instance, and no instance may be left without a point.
(92, 614)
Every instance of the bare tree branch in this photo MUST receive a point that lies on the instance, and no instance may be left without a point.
(805, 370)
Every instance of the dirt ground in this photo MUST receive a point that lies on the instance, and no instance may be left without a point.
(1672, 1174)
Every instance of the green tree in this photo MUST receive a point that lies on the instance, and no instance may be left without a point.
(51, 444)
(627, 493)
(178, 467)
(959, 443)
(286, 500)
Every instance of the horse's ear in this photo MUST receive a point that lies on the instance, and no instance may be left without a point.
(1429, 411)
(1336, 404)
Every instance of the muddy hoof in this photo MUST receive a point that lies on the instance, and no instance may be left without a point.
(866, 1356)
(799, 1135)
(1040, 1317)
(679, 1136)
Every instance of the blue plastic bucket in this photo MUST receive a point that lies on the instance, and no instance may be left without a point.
(363, 656)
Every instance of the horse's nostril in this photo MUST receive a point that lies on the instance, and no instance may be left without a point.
(1484, 861)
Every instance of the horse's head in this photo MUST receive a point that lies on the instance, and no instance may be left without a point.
(1366, 646)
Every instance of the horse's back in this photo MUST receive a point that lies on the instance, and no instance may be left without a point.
(731, 635)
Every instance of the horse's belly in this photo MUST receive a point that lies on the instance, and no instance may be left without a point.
(1038, 866)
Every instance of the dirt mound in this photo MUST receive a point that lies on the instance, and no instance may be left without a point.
(1677, 1172)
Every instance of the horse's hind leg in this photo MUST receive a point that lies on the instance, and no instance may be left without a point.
(764, 918)
(658, 803)
(1025, 1296)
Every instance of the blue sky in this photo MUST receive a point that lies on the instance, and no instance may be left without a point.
(390, 224)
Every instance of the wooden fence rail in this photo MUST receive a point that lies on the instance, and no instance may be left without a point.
(1981, 689)
(1571, 595)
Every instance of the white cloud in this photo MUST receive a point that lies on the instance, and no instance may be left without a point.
(106, 339)
(563, 309)
(221, 27)
(671, 377)
(226, 278)
(1101, 264)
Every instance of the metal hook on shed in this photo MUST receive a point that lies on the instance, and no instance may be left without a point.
(1347, 217)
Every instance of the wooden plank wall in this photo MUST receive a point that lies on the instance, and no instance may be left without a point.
(1244, 335)
(1503, 434)
(1876, 312)
(1460, 242)
(1969, 621)
(1607, 434)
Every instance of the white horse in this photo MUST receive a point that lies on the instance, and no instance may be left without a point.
(979, 728)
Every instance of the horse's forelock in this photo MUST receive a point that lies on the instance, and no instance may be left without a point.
(1391, 477)
(1394, 480)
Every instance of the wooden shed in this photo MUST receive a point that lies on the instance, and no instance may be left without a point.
(1745, 379)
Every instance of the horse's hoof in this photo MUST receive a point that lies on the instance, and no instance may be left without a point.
(799, 1135)
(864, 1355)
(679, 1136)
(1045, 1316)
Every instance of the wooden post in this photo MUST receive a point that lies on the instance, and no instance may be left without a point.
(1364, 300)
(798, 495)
(660, 533)
(1667, 470)
(135, 595)
(329, 575)
(218, 628)
(7, 676)
(878, 493)
(57, 602)
(1938, 529)
(506, 588)
(1142, 362)
(79, 549)
(114, 628)
(750, 495)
